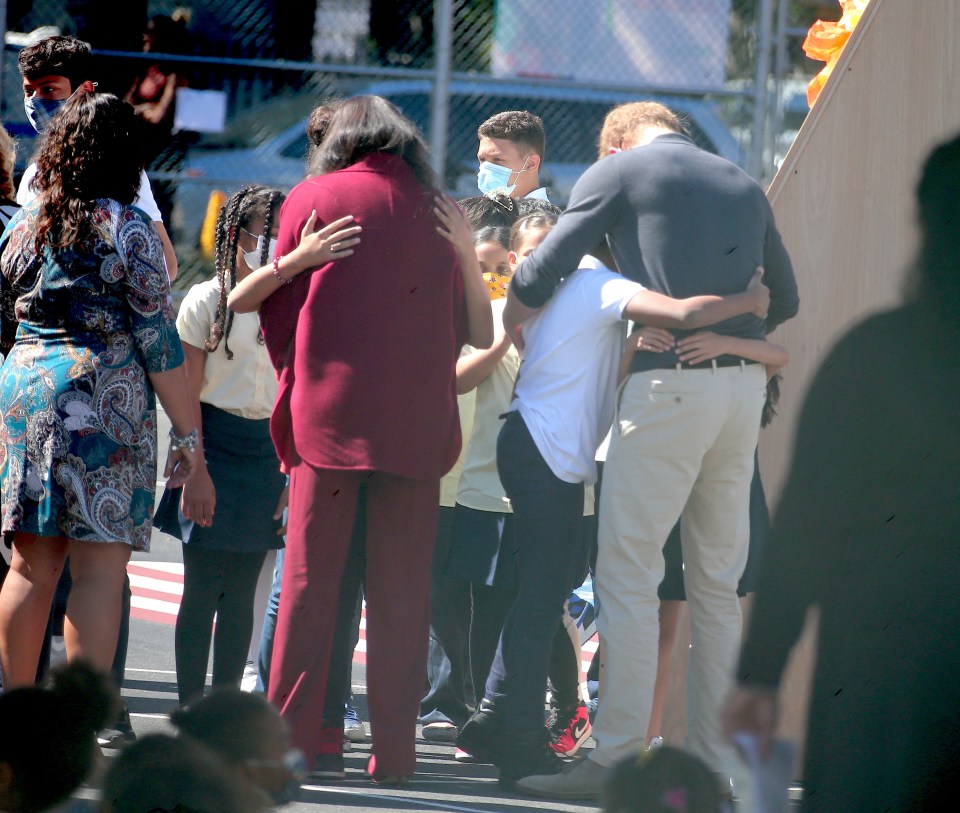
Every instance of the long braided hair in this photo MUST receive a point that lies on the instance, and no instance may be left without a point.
(250, 204)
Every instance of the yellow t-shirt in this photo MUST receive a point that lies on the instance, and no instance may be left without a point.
(450, 482)
(245, 385)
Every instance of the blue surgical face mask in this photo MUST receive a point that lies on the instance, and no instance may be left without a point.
(41, 111)
(495, 178)
(492, 178)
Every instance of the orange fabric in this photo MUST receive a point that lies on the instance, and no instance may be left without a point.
(825, 42)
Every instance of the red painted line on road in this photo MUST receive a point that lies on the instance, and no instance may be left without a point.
(154, 573)
(160, 595)
(152, 615)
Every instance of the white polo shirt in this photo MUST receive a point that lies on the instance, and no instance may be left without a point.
(566, 389)
(143, 201)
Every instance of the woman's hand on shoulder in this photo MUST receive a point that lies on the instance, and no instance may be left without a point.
(454, 225)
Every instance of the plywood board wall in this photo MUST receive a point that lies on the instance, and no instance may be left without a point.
(844, 203)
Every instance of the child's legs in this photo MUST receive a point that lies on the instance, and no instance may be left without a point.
(448, 659)
(203, 582)
(669, 613)
(490, 606)
(231, 637)
(401, 529)
(565, 663)
(547, 518)
(265, 651)
(261, 598)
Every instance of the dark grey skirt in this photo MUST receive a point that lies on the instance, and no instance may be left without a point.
(246, 474)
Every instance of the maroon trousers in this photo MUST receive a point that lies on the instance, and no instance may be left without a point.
(401, 517)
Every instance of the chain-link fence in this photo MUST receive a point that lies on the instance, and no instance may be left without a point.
(448, 64)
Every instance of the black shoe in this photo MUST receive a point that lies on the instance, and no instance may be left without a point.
(119, 734)
(483, 736)
(527, 753)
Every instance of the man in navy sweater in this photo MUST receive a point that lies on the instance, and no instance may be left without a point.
(683, 222)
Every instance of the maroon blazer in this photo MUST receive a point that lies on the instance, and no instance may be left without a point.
(366, 347)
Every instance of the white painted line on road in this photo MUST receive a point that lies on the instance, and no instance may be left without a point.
(166, 607)
(413, 802)
(159, 585)
(152, 671)
(150, 716)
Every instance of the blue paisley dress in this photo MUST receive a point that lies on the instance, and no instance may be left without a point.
(78, 441)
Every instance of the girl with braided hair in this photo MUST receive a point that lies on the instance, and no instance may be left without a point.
(225, 517)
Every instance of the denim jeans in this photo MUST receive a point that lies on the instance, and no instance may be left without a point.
(551, 552)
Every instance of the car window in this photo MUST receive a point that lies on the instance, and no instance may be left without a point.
(296, 149)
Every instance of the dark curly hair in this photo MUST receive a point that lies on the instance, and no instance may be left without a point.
(317, 126)
(365, 125)
(48, 735)
(495, 209)
(231, 723)
(90, 151)
(57, 56)
(248, 205)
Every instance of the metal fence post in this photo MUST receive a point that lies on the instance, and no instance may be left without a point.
(440, 106)
(755, 163)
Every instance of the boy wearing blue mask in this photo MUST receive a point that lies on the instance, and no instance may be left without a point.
(510, 153)
(53, 70)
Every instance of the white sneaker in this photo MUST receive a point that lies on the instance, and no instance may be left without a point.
(248, 682)
(655, 742)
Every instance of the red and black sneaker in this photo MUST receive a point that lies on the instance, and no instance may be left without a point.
(570, 730)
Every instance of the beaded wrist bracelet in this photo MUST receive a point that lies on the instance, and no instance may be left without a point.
(276, 270)
(189, 441)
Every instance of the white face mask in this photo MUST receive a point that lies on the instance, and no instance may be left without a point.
(252, 258)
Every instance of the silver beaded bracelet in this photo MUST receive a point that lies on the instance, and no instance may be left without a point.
(189, 441)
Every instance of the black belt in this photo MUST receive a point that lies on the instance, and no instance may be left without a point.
(722, 361)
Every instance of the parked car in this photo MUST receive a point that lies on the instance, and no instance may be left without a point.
(572, 120)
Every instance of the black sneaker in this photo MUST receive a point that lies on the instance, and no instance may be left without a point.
(527, 753)
(119, 734)
(483, 736)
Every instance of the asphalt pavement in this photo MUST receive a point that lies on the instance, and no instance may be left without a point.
(440, 784)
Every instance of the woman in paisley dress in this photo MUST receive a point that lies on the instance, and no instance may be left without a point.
(83, 286)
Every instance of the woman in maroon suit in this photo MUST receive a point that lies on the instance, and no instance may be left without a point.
(366, 348)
